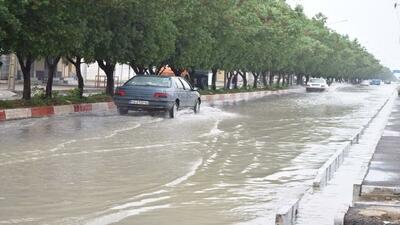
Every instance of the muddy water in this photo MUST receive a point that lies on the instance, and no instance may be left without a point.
(231, 164)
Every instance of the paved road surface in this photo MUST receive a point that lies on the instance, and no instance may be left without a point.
(231, 164)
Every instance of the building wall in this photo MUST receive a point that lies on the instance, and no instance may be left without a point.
(38, 70)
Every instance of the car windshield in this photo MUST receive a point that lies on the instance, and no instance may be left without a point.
(150, 81)
(317, 81)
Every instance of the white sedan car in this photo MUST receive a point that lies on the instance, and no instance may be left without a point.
(365, 83)
(316, 84)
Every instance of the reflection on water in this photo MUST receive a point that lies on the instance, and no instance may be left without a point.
(229, 164)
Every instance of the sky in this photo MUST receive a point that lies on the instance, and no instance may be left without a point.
(375, 23)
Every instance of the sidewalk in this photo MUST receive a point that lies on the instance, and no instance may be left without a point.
(376, 200)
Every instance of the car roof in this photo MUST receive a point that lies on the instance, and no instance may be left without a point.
(144, 75)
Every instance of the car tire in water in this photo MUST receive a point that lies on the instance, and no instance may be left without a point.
(196, 108)
(173, 111)
(122, 111)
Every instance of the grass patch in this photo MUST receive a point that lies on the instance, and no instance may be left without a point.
(39, 99)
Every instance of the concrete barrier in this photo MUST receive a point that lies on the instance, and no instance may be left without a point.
(83, 107)
(242, 96)
(100, 107)
(14, 114)
(23, 113)
(42, 111)
(63, 109)
(339, 217)
(388, 192)
(2, 115)
(286, 215)
(326, 172)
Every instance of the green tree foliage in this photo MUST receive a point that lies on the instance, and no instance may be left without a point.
(265, 38)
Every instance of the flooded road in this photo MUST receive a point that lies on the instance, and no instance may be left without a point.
(231, 164)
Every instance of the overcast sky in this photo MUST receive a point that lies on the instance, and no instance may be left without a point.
(375, 23)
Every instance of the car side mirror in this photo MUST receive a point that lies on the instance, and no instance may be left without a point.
(195, 89)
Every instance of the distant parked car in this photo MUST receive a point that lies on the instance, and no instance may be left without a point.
(316, 84)
(375, 82)
(365, 83)
(156, 93)
(388, 82)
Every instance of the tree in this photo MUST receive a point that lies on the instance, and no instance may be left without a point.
(83, 48)
(152, 38)
(110, 21)
(9, 27)
(27, 42)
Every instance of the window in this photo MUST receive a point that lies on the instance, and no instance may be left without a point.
(185, 84)
(150, 81)
(178, 83)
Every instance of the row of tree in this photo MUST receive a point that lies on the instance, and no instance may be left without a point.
(265, 38)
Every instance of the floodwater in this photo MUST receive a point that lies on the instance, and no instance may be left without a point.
(231, 164)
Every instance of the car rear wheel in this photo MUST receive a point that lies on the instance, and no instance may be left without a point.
(122, 111)
(196, 108)
(173, 111)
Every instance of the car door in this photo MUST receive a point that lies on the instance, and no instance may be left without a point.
(189, 99)
(179, 91)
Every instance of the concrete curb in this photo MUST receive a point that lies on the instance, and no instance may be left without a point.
(45, 111)
(357, 186)
(339, 217)
(285, 215)
(326, 172)
(243, 96)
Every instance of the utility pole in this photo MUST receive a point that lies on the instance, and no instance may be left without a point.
(11, 74)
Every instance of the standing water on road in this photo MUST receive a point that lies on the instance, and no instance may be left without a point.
(231, 164)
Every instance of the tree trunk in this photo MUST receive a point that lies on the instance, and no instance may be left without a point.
(228, 80)
(176, 71)
(244, 78)
(264, 79)
(108, 68)
(77, 64)
(151, 70)
(279, 80)
(299, 79)
(138, 69)
(52, 63)
(26, 64)
(214, 79)
(271, 79)
(255, 75)
(235, 80)
(307, 78)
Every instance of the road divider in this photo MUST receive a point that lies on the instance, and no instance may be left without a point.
(286, 214)
(242, 96)
(45, 111)
(326, 172)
